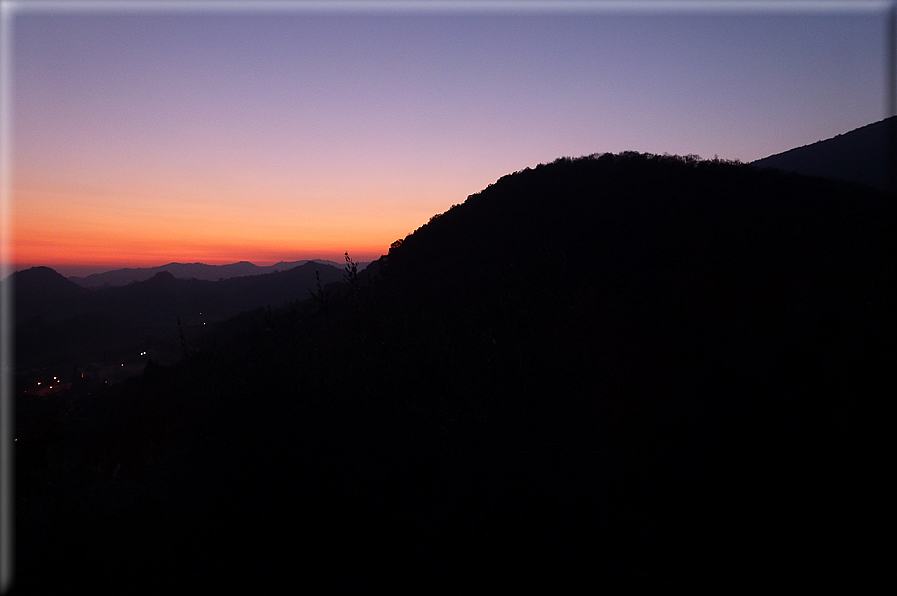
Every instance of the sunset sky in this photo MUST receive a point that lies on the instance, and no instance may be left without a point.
(219, 132)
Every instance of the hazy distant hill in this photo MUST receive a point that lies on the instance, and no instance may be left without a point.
(201, 271)
(865, 155)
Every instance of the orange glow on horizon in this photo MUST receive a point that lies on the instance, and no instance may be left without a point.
(110, 255)
(88, 228)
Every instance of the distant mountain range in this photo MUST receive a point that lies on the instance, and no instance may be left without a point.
(54, 315)
(867, 155)
(201, 271)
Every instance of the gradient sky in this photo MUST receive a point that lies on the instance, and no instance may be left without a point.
(145, 137)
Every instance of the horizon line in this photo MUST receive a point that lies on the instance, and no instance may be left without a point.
(19, 267)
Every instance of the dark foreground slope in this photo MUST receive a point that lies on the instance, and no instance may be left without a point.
(620, 370)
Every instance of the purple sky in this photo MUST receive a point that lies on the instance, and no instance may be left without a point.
(216, 136)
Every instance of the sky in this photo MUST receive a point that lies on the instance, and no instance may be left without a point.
(215, 132)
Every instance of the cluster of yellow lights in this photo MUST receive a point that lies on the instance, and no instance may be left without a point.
(54, 378)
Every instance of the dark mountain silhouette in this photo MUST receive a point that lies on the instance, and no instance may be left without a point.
(201, 271)
(612, 371)
(164, 296)
(41, 291)
(867, 155)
